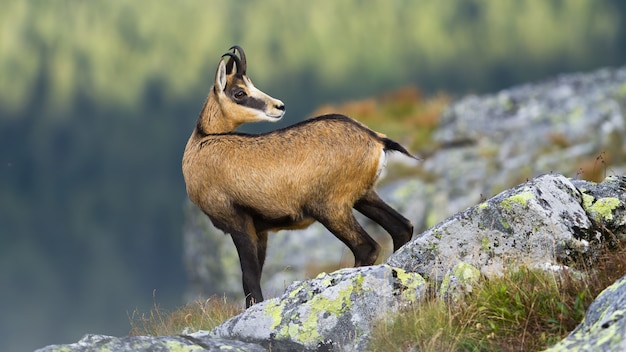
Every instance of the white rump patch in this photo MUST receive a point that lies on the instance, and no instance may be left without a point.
(382, 163)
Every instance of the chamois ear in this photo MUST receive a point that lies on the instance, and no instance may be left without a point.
(231, 66)
(220, 76)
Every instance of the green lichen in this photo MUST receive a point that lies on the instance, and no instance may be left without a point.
(328, 280)
(409, 280)
(520, 198)
(321, 275)
(466, 273)
(433, 247)
(305, 330)
(485, 244)
(587, 200)
(445, 285)
(603, 208)
(177, 346)
(275, 311)
(295, 292)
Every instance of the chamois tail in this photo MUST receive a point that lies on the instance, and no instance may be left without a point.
(393, 145)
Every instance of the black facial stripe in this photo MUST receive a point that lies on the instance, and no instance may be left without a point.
(252, 103)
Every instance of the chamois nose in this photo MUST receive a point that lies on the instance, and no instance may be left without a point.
(280, 107)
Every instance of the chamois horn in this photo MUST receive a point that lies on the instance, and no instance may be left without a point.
(234, 59)
(242, 57)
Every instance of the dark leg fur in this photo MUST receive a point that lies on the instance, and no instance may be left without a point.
(249, 247)
(400, 228)
(261, 248)
(347, 229)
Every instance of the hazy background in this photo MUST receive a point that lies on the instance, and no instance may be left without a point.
(97, 99)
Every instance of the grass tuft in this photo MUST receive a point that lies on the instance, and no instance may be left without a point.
(197, 315)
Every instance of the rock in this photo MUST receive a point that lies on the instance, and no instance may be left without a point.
(541, 221)
(149, 344)
(604, 202)
(331, 312)
(604, 326)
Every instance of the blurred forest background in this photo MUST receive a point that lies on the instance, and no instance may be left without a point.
(97, 99)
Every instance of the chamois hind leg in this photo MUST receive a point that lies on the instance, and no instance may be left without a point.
(344, 226)
(261, 248)
(399, 227)
(248, 249)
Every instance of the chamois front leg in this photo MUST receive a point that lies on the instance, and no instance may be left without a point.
(248, 248)
(399, 227)
(344, 226)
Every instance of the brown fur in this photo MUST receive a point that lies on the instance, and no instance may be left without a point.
(316, 170)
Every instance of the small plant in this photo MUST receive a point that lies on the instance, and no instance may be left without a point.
(197, 315)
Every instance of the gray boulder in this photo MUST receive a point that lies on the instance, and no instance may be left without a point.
(548, 221)
(331, 312)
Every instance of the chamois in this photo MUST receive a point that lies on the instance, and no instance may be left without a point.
(316, 170)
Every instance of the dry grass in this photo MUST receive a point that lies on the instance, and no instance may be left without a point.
(198, 315)
(594, 169)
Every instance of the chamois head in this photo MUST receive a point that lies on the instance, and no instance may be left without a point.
(239, 100)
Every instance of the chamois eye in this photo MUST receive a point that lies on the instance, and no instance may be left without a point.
(240, 94)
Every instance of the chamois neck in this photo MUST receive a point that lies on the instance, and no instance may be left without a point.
(212, 119)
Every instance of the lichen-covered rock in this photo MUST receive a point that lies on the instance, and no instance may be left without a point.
(604, 326)
(331, 312)
(458, 281)
(541, 221)
(181, 343)
(605, 203)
